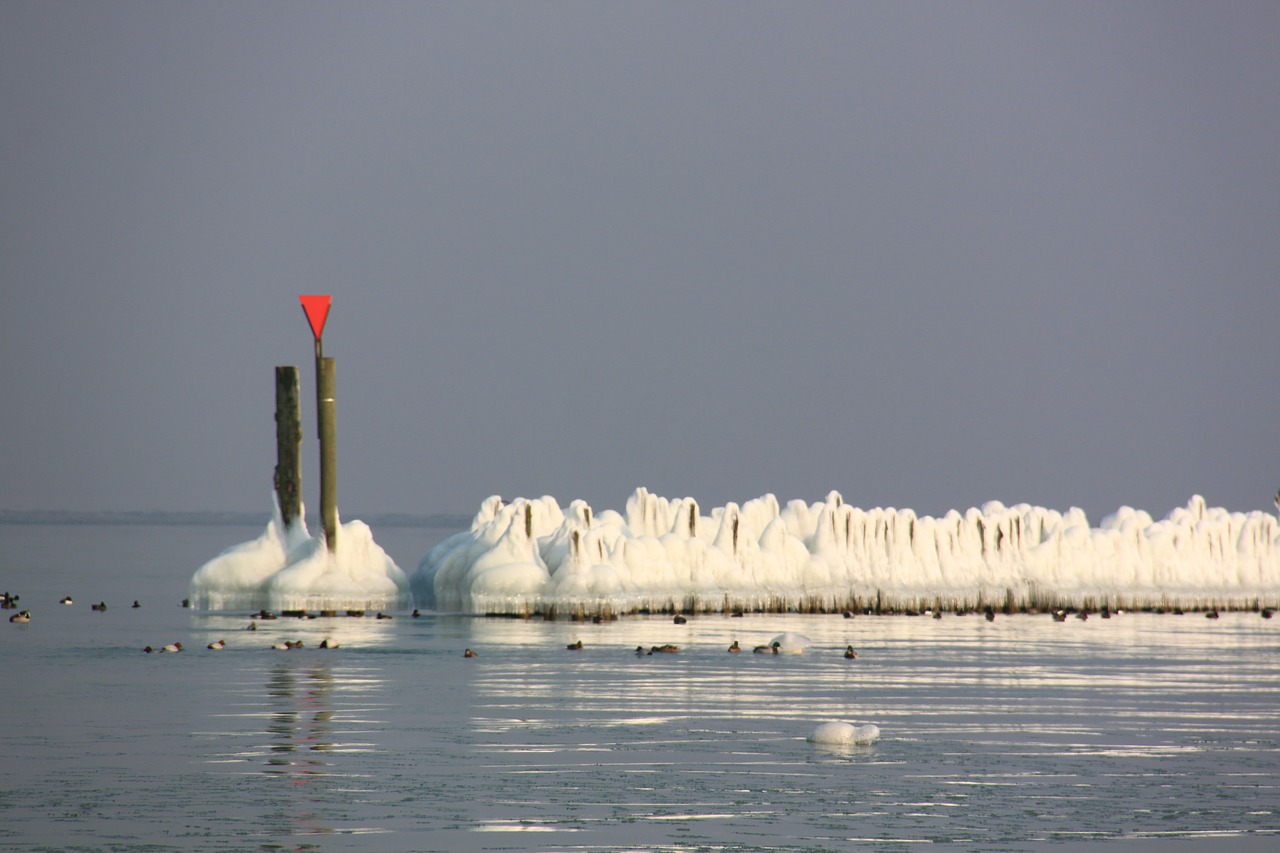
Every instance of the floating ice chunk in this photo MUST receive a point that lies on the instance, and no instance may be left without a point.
(845, 734)
(790, 643)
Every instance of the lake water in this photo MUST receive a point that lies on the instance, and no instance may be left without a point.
(1140, 732)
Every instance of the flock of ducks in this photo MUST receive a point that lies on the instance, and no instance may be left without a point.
(773, 648)
(9, 601)
(219, 645)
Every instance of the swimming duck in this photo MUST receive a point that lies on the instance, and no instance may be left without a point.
(734, 648)
(1212, 614)
(680, 620)
(217, 645)
(252, 626)
(326, 643)
(469, 654)
(666, 648)
(100, 606)
(383, 616)
(172, 647)
(66, 599)
(575, 647)
(148, 649)
(849, 653)
(136, 605)
(771, 649)
(21, 616)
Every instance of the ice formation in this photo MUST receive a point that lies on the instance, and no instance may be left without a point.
(845, 734)
(287, 569)
(530, 555)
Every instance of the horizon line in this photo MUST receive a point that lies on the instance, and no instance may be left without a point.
(226, 518)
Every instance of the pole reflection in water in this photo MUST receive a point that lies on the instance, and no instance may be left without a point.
(301, 723)
(313, 713)
(301, 730)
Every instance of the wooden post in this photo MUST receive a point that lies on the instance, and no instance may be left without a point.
(316, 308)
(325, 416)
(288, 474)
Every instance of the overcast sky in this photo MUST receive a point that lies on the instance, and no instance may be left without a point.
(926, 254)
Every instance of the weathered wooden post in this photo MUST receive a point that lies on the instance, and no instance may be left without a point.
(288, 476)
(317, 309)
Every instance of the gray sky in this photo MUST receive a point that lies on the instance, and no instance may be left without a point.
(926, 254)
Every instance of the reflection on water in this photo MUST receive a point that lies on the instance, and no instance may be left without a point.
(300, 727)
(309, 727)
(302, 723)
(1016, 734)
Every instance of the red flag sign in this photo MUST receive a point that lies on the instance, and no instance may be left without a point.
(317, 308)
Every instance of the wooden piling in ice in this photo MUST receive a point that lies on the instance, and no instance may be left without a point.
(316, 308)
(288, 473)
(326, 417)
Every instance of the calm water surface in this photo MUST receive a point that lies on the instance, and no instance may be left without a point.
(1140, 732)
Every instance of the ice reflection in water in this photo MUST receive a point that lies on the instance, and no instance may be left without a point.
(1019, 732)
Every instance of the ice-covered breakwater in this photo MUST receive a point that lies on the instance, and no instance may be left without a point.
(530, 556)
(287, 569)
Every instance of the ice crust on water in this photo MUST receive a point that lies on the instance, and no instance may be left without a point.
(530, 554)
(288, 569)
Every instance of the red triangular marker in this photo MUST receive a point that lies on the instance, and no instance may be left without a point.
(317, 308)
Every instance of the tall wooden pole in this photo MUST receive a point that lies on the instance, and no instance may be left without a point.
(316, 308)
(288, 474)
(326, 418)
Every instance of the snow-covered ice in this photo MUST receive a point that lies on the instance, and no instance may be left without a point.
(530, 554)
(287, 569)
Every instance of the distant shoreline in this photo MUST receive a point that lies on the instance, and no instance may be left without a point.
(213, 518)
